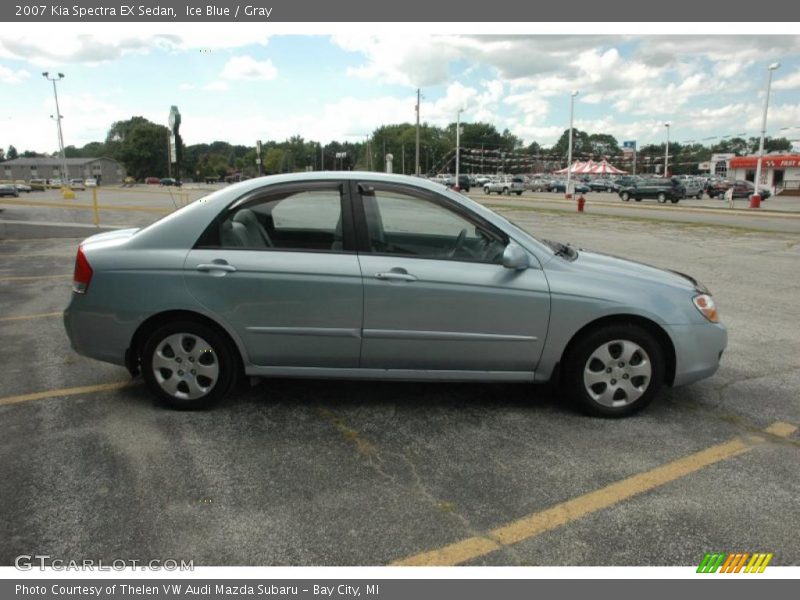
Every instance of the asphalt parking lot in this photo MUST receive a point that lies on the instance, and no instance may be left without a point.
(353, 473)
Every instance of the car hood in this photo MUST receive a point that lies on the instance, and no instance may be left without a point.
(614, 266)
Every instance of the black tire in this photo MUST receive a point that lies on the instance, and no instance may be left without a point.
(519, 193)
(577, 361)
(625, 196)
(700, 196)
(638, 199)
(662, 198)
(223, 355)
(675, 200)
(505, 191)
(486, 191)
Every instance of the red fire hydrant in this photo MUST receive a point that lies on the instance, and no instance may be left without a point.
(755, 201)
(581, 203)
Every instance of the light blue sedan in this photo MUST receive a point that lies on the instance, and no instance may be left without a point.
(372, 276)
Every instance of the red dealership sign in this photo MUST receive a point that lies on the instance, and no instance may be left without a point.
(770, 161)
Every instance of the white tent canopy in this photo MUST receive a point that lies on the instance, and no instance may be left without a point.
(592, 168)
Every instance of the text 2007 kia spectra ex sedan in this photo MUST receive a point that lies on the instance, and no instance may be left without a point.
(364, 275)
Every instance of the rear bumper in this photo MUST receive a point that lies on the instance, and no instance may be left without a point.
(698, 350)
(96, 335)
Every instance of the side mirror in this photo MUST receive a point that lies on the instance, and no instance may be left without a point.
(514, 257)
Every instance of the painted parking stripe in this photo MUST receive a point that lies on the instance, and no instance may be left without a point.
(563, 513)
(59, 393)
(31, 317)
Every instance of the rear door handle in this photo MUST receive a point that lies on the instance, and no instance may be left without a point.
(207, 267)
(395, 276)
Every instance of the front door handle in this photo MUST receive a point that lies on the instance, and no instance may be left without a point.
(395, 275)
(216, 266)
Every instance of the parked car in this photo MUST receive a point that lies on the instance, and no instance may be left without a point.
(661, 189)
(266, 278)
(152, 180)
(92, 182)
(38, 185)
(741, 189)
(77, 184)
(463, 182)
(603, 185)
(693, 187)
(481, 179)
(560, 186)
(9, 189)
(538, 184)
(170, 181)
(23, 187)
(505, 186)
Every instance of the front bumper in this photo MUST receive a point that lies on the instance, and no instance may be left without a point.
(698, 350)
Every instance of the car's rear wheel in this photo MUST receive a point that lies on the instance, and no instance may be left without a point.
(486, 191)
(700, 196)
(614, 371)
(675, 200)
(625, 196)
(188, 365)
(662, 197)
(519, 193)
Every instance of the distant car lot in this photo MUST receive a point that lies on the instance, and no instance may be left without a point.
(325, 473)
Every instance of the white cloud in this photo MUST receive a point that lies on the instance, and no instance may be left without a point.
(12, 77)
(790, 82)
(54, 44)
(247, 67)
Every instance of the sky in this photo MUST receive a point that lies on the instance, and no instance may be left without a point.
(240, 83)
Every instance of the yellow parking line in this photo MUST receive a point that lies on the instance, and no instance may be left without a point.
(30, 317)
(34, 277)
(565, 512)
(85, 389)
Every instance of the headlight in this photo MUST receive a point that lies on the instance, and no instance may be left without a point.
(705, 304)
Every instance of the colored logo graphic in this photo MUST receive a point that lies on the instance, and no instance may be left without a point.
(734, 562)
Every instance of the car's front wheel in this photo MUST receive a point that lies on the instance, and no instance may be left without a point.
(614, 371)
(188, 365)
(662, 197)
(625, 196)
(486, 191)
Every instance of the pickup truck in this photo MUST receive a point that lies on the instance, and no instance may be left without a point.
(505, 186)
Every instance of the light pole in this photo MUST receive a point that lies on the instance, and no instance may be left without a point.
(416, 168)
(60, 76)
(458, 145)
(666, 153)
(755, 201)
(567, 191)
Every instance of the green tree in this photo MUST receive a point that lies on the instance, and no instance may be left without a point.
(142, 148)
(12, 153)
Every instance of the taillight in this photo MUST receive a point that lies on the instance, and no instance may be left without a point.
(83, 273)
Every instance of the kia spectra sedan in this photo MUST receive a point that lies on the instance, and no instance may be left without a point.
(373, 276)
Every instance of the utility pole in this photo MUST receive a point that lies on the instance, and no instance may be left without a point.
(65, 174)
(416, 169)
(321, 158)
(568, 192)
(458, 144)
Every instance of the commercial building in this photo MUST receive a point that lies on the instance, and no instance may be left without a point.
(779, 172)
(105, 170)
